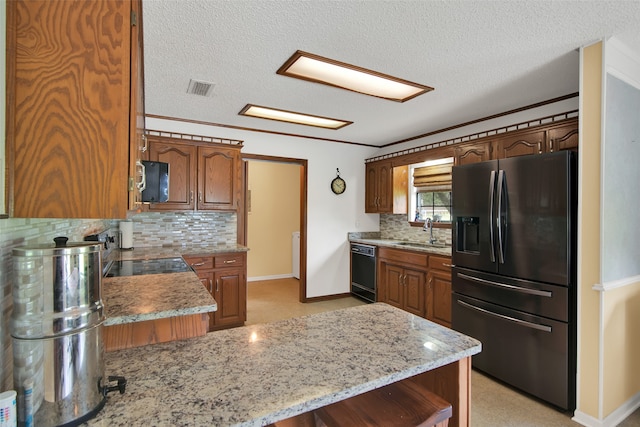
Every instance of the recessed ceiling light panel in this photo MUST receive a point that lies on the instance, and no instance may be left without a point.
(307, 66)
(292, 117)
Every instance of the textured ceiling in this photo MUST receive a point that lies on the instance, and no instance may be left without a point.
(482, 58)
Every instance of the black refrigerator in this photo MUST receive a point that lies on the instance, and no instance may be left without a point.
(514, 275)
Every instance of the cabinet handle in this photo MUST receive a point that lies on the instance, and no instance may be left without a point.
(230, 261)
(200, 196)
(210, 286)
(143, 176)
(191, 196)
(197, 264)
(539, 147)
(404, 280)
(446, 265)
(217, 280)
(430, 282)
(145, 147)
(551, 144)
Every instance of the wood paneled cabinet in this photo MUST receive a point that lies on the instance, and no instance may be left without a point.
(72, 115)
(416, 282)
(201, 177)
(402, 277)
(225, 277)
(472, 153)
(379, 187)
(538, 140)
(386, 188)
(438, 295)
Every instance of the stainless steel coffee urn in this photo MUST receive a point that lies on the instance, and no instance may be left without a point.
(57, 322)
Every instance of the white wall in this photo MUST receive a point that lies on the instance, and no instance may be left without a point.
(329, 217)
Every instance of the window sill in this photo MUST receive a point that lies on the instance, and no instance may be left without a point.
(435, 224)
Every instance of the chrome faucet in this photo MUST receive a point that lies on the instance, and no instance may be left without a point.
(428, 224)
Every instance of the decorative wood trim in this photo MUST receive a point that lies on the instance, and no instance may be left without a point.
(248, 129)
(191, 138)
(483, 119)
(476, 136)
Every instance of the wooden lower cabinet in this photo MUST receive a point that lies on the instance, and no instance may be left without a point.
(224, 276)
(416, 282)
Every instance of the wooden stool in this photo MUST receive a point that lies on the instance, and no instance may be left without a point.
(400, 404)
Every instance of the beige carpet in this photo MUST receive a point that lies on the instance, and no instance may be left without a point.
(492, 404)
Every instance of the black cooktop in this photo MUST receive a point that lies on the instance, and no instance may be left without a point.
(139, 267)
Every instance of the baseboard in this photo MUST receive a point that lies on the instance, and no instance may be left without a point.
(274, 277)
(614, 418)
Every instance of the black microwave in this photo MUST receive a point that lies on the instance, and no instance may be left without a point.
(156, 182)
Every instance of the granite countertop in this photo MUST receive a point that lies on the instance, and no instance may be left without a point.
(258, 374)
(154, 296)
(130, 299)
(373, 238)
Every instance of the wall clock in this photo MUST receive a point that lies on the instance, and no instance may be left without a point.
(338, 185)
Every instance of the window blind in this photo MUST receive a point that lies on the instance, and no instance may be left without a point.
(433, 178)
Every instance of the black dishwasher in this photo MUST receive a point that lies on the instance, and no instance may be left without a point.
(363, 271)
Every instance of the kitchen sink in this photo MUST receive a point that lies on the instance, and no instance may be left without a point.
(421, 245)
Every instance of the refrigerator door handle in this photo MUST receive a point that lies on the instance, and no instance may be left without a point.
(499, 216)
(536, 292)
(492, 192)
(524, 323)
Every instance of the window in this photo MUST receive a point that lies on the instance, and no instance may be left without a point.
(431, 191)
(433, 204)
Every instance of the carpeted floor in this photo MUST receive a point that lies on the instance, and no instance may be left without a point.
(492, 403)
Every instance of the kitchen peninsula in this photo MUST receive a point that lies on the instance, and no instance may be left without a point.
(153, 308)
(259, 374)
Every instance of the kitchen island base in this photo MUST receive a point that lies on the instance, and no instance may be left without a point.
(429, 390)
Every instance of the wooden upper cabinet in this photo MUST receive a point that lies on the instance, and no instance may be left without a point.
(137, 140)
(68, 108)
(182, 159)
(201, 177)
(563, 137)
(520, 144)
(217, 178)
(386, 188)
(472, 153)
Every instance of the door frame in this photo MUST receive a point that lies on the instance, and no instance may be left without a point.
(242, 219)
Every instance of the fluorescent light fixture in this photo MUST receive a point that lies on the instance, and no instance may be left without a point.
(292, 117)
(307, 66)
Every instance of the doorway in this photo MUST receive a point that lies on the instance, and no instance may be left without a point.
(266, 199)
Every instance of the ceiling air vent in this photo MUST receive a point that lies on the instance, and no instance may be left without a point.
(198, 87)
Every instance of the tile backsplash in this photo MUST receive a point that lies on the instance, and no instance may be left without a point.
(398, 228)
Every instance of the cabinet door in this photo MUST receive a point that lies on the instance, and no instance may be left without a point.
(230, 294)
(68, 79)
(379, 187)
(182, 174)
(394, 290)
(439, 297)
(520, 145)
(414, 284)
(217, 178)
(371, 190)
(563, 138)
(137, 139)
(472, 153)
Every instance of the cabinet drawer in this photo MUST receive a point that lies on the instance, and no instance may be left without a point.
(199, 262)
(440, 262)
(230, 260)
(403, 256)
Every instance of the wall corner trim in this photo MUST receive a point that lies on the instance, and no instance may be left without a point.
(615, 284)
